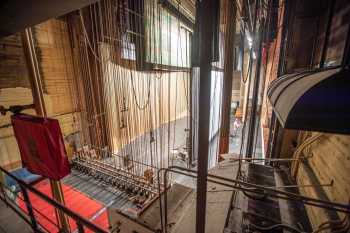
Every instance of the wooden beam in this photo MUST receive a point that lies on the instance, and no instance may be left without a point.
(38, 97)
(230, 28)
(34, 71)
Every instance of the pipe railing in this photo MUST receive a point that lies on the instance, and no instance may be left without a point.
(245, 187)
(9, 201)
(80, 221)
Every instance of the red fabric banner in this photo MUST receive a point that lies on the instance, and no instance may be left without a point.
(41, 145)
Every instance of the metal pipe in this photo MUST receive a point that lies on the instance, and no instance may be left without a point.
(80, 227)
(257, 190)
(29, 209)
(117, 155)
(111, 168)
(126, 178)
(303, 185)
(266, 159)
(160, 201)
(165, 201)
(256, 186)
(190, 132)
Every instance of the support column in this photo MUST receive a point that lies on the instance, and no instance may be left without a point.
(208, 9)
(38, 98)
(253, 112)
(230, 28)
(34, 72)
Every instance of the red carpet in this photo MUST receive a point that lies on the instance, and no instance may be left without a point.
(75, 200)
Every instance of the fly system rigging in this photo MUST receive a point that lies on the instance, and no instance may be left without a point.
(133, 86)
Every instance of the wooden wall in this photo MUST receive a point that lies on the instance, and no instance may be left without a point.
(13, 70)
(10, 157)
(56, 65)
(58, 76)
(57, 73)
(14, 90)
(330, 162)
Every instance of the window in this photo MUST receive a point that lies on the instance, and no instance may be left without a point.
(167, 40)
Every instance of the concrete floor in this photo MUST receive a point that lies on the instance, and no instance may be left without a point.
(10, 222)
(218, 203)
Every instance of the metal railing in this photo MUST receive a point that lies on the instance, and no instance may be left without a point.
(30, 218)
(239, 185)
(244, 187)
(14, 204)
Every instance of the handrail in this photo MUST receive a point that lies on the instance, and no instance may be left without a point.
(81, 221)
(246, 187)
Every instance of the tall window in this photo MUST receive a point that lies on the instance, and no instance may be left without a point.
(167, 40)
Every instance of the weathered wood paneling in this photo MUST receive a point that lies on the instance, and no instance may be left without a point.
(55, 61)
(14, 90)
(57, 72)
(330, 162)
(13, 70)
(56, 65)
(9, 153)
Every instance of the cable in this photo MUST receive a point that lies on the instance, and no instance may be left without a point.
(148, 93)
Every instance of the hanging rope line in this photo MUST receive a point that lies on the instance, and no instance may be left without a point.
(132, 57)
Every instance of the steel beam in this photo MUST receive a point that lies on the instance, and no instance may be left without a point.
(208, 9)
